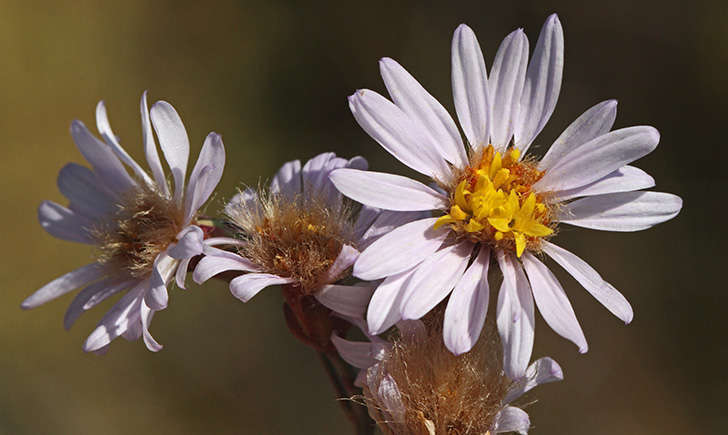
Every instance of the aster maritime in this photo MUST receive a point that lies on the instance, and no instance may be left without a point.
(490, 199)
(145, 232)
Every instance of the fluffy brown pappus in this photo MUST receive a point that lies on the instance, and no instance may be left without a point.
(297, 239)
(143, 225)
(442, 393)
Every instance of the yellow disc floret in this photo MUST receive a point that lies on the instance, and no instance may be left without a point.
(492, 202)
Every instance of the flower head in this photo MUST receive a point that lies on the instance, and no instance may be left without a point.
(145, 232)
(491, 198)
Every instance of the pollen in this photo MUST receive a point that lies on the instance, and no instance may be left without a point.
(492, 202)
(293, 238)
(142, 226)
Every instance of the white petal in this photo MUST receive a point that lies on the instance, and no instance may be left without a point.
(397, 133)
(543, 83)
(409, 95)
(181, 273)
(626, 211)
(174, 143)
(467, 307)
(245, 200)
(150, 148)
(211, 265)
(146, 319)
(384, 307)
(435, 278)
(624, 179)
(64, 284)
(552, 302)
(592, 282)
(91, 296)
(63, 223)
(596, 121)
(347, 300)
(190, 243)
(82, 188)
(246, 286)
(469, 86)
(386, 222)
(505, 86)
(164, 267)
(346, 258)
(387, 191)
(356, 353)
(287, 180)
(212, 155)
(599, 157)
(515, 316)
(512, 419)
(316, 183)
(104, 128)
(115, 322)
(364, 220)
(542, 371)
(102, 159)
(400, 250)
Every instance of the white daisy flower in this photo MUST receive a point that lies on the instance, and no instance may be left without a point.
(145, 232)
(490, 200)
(414, 385)
(300, 232)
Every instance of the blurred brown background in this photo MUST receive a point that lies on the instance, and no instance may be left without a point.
(272, 77)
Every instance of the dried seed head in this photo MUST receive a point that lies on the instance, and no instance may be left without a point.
(299, 238)
(143, 225)
(439, 393)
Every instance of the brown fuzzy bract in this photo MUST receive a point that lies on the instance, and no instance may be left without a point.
(443, 393)
(143, 225)
(299, 238)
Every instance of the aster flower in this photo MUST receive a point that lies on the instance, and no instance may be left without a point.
(414, 385)
(145, 232)
(494, 200)
(299, 232)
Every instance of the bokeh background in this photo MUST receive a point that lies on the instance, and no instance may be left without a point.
(272, 77)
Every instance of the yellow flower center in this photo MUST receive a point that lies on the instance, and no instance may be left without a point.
(493, 203)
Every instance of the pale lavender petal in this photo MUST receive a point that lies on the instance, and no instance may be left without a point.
(409, 95)
(469, 86)
(211, 265)
(552, 302)
(164, 267)
(190, 243)
(91, 296)
(174, 143)
(212, 155)
(435, 278)
(625, 211)
(400, 250)
(150, 148)
(115, 322)
(82, 188)
(512, 419)
(247, 199)
(356, 353)
(346, 300)
(397, 133)
(214, 241)
(364, 220)
(104, 128)
(384, 307)
(287, 180)
(624, 179)
(505, 86)
(63, 223)
(515, 316)
(246, 286)
(542, 371)
(146, 319)
(102, 159)
(387, 191)
(599, 157)
(596, 121)
(64, 284)
(181, 273)
(314, 172)
(386, 222)
(346, 258)
(358, 162)
(543, 83)
(467, 306)
(592, 282)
